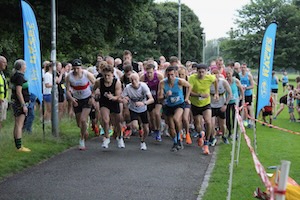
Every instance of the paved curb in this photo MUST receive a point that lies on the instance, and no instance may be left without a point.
(208, 173)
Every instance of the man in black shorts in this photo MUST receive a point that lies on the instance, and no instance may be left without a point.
(138, 95)
(110, 91)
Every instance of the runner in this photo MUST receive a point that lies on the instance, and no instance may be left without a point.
(170, 91)
(186, 118)
(127, 57)
(138, 95)
(200, 99)
(219, 105)
(248, 84)
(237, 94)
(79, 80)
(110, 91)
(152, 79)
(125, 80)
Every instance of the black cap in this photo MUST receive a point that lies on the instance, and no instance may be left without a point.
(76, 62)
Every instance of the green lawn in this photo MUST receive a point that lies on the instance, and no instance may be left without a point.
(272, 147)
(12, 161)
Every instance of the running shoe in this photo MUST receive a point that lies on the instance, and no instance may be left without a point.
(81, 144)
(194, 133)
(180, 145)
(121, 143)
(205, 150)
(157, 135)
(158, 138)
(188, 139)
(24, 149)
(174, 148)
(201, 138)
(225, 140)
(101, 131)
(127, 133)
(143, 146)
(213, 142)
(105, 143)
(96, 130)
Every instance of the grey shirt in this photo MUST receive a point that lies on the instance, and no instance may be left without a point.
(221, 89)
(135, 95)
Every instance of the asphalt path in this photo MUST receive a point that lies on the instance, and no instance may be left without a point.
(113, 173)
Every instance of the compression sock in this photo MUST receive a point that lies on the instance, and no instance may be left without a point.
(18, 143)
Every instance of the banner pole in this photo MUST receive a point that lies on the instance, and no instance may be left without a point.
(54, 93)
(232, 153)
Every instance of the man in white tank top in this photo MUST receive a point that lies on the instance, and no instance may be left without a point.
(79, 80)
(219, 105)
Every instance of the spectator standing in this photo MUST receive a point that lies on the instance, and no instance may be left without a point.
(274, 90)
(3, 90)
(20, 98)
(285, 81)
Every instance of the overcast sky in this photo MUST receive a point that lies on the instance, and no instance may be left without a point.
(216, 16)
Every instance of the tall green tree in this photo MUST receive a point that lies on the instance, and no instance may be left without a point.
(253, 19)
(166, 16)
(83, 28)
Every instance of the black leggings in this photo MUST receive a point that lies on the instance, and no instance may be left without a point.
(230, 108)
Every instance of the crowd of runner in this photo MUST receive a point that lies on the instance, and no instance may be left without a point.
(149, 98)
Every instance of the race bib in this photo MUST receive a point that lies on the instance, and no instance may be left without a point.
(174, 99)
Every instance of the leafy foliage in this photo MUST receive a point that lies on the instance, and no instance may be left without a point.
(245, 42)
(84, 29)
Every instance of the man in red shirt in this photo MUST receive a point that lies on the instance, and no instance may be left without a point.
(267, 111)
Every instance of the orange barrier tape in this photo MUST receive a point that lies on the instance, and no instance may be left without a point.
(258, 166)
(269, 125)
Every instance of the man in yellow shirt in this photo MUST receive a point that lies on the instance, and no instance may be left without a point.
(3, 90)
(200, 100)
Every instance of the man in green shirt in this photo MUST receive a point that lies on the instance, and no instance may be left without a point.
(200, 100)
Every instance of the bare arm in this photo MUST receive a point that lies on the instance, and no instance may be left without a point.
(120, 73)
(59, 78)
(160, 76)
(91, 77)
(186, 84)
(21, 98)
(160, 95)
(240, 87)
(228, 90)
(142, 77)
(251, 86)
(149, 100)
(216, 95)
(118, 91)
(68, 90)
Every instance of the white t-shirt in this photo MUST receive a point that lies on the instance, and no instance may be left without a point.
(47, 79)
(135, 95)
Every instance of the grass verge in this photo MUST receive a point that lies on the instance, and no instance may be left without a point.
(12, 161)
(272, 147)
